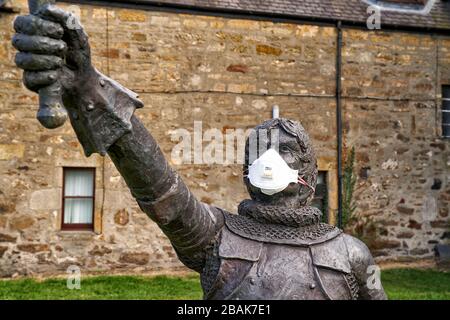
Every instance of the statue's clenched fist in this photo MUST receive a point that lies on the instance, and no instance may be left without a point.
(55, 55)
(51, 49)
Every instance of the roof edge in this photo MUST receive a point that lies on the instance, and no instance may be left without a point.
(251, 15)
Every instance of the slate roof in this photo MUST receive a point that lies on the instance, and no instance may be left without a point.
(348, 11)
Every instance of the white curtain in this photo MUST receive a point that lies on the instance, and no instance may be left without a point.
(78, 183)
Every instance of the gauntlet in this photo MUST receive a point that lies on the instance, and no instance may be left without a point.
(52, 50)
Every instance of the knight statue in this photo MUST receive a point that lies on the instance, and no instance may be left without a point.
(276, 247)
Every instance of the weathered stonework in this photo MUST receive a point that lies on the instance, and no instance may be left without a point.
(229, 73)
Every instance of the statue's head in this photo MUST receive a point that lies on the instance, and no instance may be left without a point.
(293, 145)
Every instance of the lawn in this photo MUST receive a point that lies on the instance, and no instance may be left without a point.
(105, 287)
(415, 284)
(399, 284)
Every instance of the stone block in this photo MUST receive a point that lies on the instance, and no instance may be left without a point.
(413, 224)
(138, 258)
(47, 199)
(195, 23)
(159, 21)
(131, 16)
(2, 251)
(121, 217)
(243, 24)
(263, 49)
(3, 221)
(7, 238)
(33, 247)
(402, 208)
(10, 151)
(100, 251)
(405, 235)
(21, 222)
(238, 68)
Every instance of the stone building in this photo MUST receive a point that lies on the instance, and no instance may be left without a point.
(227, 63)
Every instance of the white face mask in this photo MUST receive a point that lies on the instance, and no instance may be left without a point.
(271, 173)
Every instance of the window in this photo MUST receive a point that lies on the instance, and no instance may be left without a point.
(78, 198)
(446, 111)
(320, 200)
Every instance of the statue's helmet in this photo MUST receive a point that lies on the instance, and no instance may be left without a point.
(293, 144)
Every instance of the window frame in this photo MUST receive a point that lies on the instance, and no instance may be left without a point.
(325, 197)
(77, 226)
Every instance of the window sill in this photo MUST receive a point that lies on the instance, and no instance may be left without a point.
(86, 235)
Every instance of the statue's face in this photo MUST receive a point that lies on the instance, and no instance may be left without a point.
(291, 152)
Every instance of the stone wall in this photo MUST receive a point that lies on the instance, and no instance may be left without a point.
(228, 73)
(392, 84)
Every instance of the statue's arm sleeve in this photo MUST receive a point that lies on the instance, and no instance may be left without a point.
(111, 127)
(365, 270)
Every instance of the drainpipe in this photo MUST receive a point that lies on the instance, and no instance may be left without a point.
(339, 119)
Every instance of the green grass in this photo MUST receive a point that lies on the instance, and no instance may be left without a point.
(105, 287)
(398, 283)
(415, 284)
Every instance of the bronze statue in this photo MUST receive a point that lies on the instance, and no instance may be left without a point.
(275, 248)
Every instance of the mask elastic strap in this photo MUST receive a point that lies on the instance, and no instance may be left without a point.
(300, 180)
(303, 182)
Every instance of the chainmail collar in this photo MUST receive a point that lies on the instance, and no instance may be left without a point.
(282, 227)
(291, 217)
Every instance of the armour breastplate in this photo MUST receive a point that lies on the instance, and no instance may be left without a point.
(251, 269)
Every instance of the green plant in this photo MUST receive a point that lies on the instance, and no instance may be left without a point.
(363, 227)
